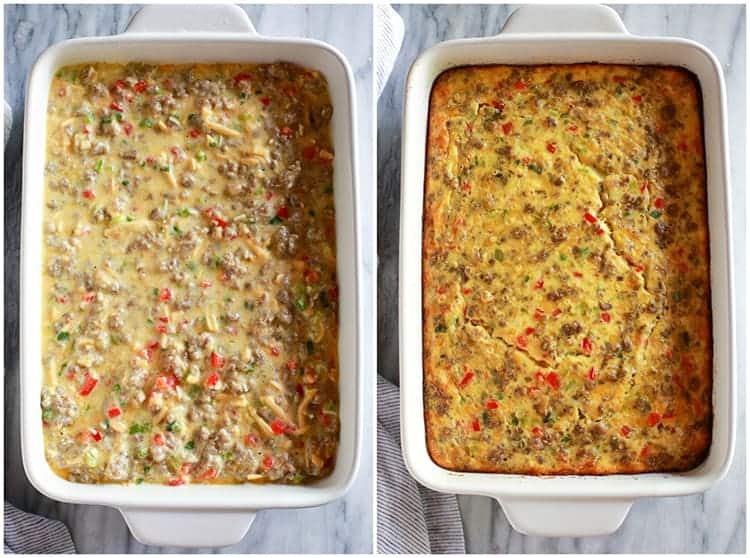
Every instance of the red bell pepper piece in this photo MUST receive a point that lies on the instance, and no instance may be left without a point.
(217, 361)
(89, 383)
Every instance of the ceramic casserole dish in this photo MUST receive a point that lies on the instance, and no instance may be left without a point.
(193, 515)
(565, 505)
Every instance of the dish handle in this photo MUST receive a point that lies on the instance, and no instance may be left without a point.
(565, 517)
(160, 18)
(187, 528)
(589, 18)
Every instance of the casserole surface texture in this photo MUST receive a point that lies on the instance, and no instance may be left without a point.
(566, 298)
(190, 295)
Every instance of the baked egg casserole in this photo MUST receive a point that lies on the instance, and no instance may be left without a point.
(566, 291)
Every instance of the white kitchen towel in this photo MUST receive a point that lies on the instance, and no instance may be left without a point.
(8, 121)
(389, 34)
(411, 518)
(26, 533)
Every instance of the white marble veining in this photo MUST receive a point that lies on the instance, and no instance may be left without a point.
(344, 526)
(713, 522)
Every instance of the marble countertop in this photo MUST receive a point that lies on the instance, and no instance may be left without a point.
(713, 522)
(344, 526)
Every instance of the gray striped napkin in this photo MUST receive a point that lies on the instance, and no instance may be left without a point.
(411, 518)
(26, 533)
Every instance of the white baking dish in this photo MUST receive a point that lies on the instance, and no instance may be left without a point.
(565, 505)
(193, 515)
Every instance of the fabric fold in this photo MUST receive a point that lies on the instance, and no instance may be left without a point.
(411, 518)
(389, 34)
(26, 533)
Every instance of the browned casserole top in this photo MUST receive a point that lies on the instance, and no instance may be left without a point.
(567, 324)
(189, 281)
